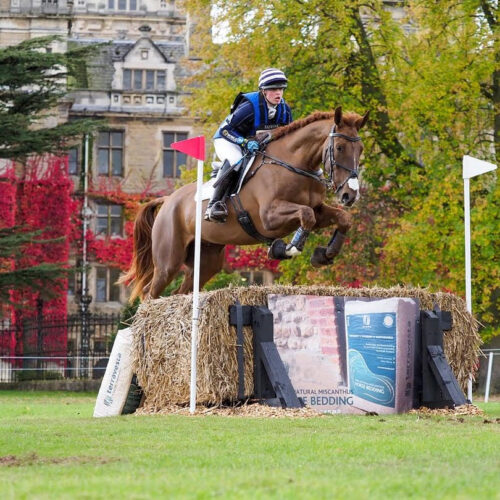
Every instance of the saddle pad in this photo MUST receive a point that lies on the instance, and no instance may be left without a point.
(208, 187)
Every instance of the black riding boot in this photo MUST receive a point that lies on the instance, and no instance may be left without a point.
(216, 209)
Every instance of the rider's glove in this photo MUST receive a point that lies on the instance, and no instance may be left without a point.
(252, 146)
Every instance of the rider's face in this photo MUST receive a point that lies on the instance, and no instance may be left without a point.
(273, 96)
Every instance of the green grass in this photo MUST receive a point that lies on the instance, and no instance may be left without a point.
(51, 447)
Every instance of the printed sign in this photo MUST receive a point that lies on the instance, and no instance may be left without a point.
(372, 356)
(347, 355)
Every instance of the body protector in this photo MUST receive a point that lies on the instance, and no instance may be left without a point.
(249, 114)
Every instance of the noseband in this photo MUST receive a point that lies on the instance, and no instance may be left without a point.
(330, 153)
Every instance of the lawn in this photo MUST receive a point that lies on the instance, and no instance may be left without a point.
(51, 447)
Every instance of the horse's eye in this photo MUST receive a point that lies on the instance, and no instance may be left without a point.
(339, 148)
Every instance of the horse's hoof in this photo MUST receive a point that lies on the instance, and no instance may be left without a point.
(277, 250)
(319, 258)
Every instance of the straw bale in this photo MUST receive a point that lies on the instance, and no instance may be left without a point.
(162, 340)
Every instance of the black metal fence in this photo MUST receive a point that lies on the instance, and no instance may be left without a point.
(74, 346)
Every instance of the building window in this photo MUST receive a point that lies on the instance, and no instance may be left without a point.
(127, 79)
(122, 4)
(138, 77)
(144, 79)
(172, 159)
(110, 153)
(150, 79)
(73, 161)
(72, 287)
(106, 289)
(161, 78)
(109, 220)
(252, 277)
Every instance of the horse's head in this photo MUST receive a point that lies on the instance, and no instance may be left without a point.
(341, 155)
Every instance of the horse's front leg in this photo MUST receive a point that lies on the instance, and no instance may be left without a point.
(327, 216)
(280, 213)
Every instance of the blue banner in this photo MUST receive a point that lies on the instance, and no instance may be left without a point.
(371, 340)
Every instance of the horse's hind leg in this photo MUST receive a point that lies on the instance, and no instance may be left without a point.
(161, 279)
(212, 260)
(169, 254)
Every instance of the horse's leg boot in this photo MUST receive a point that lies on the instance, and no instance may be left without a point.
(216, 209)
(298, 242)
(277, 250)
(323, 256)
(335, 244)
(319, 258)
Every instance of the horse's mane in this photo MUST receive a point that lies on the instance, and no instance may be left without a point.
(348, 118)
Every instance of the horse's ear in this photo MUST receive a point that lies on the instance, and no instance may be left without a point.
(338, 116)
(360, 122)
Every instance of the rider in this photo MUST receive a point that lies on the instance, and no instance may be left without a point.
(256, 111)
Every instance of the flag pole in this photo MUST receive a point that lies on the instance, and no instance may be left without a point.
(468, 286)
(196, 288)
(471, 167)
(195, 147)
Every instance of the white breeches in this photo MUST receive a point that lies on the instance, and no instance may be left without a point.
(226, 150)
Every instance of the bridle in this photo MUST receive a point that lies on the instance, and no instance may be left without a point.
(330, 153)
(317, 176)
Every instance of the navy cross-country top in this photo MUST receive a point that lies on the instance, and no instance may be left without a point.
(251, 115)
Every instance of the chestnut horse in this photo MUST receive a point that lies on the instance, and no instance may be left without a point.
(286, 193)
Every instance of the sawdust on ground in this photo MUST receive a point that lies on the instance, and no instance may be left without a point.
(252, 409)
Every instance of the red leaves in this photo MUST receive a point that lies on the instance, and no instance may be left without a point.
(112, 251)
(244, 258)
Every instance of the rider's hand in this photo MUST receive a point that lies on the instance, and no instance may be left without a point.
(252, 146)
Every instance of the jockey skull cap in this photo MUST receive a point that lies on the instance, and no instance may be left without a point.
(272, 78)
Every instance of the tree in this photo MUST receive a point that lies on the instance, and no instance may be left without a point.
(33, 79)
(41, 278)
(430, 80)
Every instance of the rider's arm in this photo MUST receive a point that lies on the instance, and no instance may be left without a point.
(240, 125)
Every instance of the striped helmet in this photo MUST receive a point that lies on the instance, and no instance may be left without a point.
(272, 78)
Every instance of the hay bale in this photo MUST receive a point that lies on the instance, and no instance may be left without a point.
(162, 340)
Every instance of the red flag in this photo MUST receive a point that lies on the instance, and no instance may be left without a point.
(193, 147)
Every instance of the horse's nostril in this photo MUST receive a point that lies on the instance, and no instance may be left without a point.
(345, 199)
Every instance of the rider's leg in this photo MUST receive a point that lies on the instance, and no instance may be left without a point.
(226, 150)
(231, 154)
(216, 209)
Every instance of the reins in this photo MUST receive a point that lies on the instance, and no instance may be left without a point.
(317, 176)
(275, 161)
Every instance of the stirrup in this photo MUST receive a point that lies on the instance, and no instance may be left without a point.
(217, 212)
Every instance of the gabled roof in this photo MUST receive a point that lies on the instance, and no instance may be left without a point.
(129, 49)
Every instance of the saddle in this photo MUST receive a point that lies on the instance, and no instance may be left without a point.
(263, 138)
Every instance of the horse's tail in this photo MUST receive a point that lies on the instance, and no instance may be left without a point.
(141, 270)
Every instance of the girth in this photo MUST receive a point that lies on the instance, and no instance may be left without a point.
(246, 221)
